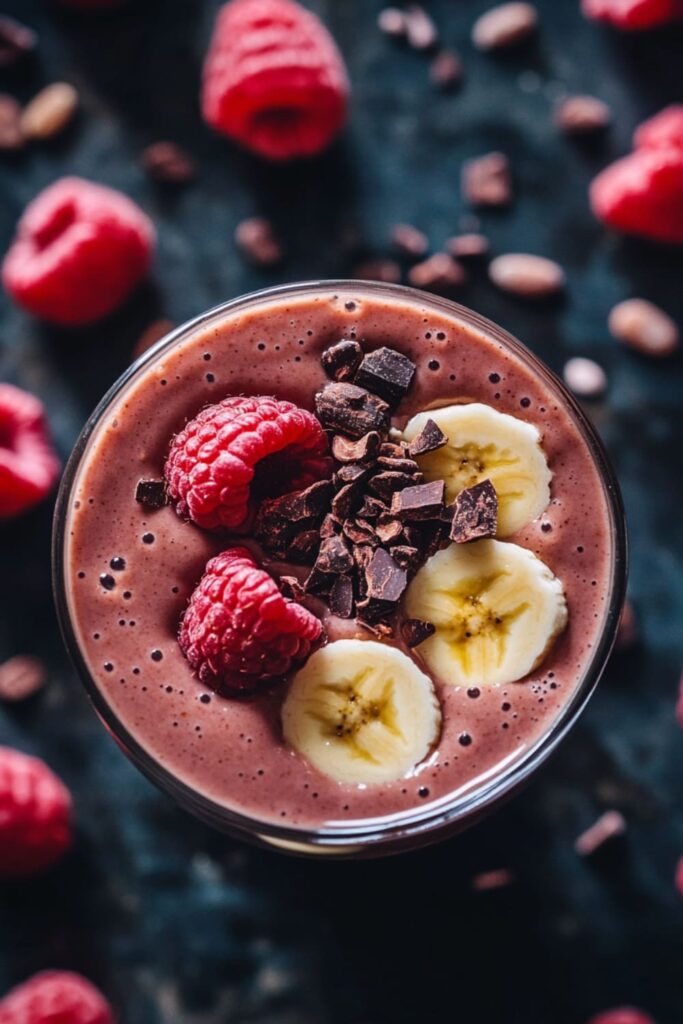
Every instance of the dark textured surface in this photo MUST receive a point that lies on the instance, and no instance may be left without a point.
(178, 924)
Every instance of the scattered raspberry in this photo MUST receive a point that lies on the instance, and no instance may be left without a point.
(28, 463)
(35, 815)
(663, 131)
(274, 79)
(642, 194)
(631, 15)
(55, 997)
(239, 629)
(240, 446)
(79, 251)
(622, 1015)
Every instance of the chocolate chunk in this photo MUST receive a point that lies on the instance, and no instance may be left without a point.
(151, 493)
(341, 361)
(420, 30)
(329, 526)
(371, 507)
(303, 547)
(360, 532)
(429, 439)
(351, 410)
(526, 275)
(399, 465)
(256, 240)
(506, 25)
(362, 450)
(318, 582)
(385, 579)
(436, 539)
(405, 556)
(341, 597)
(334, 556)
(345, 501)
(350, 474)
(475, 513)
(486, 180)
(309, 503)
(386, 484)
(389, 450)
(168, 164)
(392, 21)
(388, 528)
(386, 373)
(291, 588)
(424, 501)
(16, 41)
(416, 631)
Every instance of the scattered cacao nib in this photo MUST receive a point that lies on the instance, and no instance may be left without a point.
(11, 135)
(341, 361)
(362, 450)
(372, 507)
(644, 327)
(439, 273)
(527, 275)
(386, 484)
(416, 631)
(386, 373)
(420, 30)
(50, 112)
(468, 246)
(341, 597)
(302, 548)
(485, 881)
(291, 588)
(329, 526)
(475, 513)
(409, 240)
(334, 556)
(398, 465)
(446, 70)
(363, 556)
(423, 501)
(21, 677)
(168, 164)
(582, 115)
(359, 531)
(429, 439)
(387, 271)
(405, 556)
(255, 238)
(486, 180)
(608, 826)
(388, 528)
(385, 579)
(392, 21)
(505, 25)
(16, 41)
(351, 410)
(389, 450)
(352, 473)
(151, 493)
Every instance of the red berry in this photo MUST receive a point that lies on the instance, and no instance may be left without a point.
(274, 79)
(55, 997)
(35, 815)
(28, 463)
(79, 251)
(622, 1015)
(642, 194)
(632, 15)
(239, 629)
(663, 131)
(240, 445)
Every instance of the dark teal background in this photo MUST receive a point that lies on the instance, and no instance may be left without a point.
(179, 924)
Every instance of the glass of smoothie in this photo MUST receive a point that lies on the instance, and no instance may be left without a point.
(339, 564)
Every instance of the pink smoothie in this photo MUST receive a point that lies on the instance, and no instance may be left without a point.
(131, 570)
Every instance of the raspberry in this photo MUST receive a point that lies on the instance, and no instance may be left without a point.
(642, 194)
(35, 815)
(622, 1015)
(79, 251)
(28, 463)
(238, 446)
(663, 131)
(239, 629)
(274, 79)
(632, 15)
(55, 997)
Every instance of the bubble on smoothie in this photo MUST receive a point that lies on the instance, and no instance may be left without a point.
(107, 581)
(117, 563)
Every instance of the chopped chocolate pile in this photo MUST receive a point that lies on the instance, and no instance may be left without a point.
(351, 410)
(475, 513)
(429, 439)
(341, 361)
(151, 493)
(386, 373)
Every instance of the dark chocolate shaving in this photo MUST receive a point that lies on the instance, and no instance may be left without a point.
(345, 501)
(341, 597)
(351, 410)
(350, 474)
(359, 531)
(385, 579)
(388, 528)
(341, 361)
(386, 484)
(398, 465)
(302, 548)
(424, 501)
(416, 631)
(334, 556)
(151, 493)
(429, 439)
(475, 513)
(364, 449)
(386, 373)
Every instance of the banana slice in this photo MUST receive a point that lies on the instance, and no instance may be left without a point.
(485, 443)
(361, 712)
(497, 609)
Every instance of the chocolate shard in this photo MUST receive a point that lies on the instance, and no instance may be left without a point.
(385, 579)
(303, 546)
(389, 450)
(351, 410)
(318, 582)
(386, 373)
(475, 513)
(424, 501)
(151, 493)
(416, 631)
(386, 484)
(405, 556)
(350, 474)
(388, 528)
(341, 597)
(398, 465)
(341, 361)
(291, 588)
(298, 506)
(372, 507)
(345, 501)
(360, 532)
(429, 439)
(329, 526)
(334, 556)
(363, 450)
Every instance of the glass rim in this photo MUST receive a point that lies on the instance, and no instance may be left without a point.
(361, 837)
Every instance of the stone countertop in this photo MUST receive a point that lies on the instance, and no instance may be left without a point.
(177, 923)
